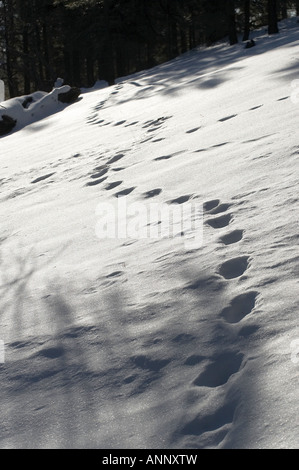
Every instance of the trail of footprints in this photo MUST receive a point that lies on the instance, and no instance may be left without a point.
(223, 365)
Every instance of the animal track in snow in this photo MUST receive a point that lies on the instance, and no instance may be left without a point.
(241, 306)
(219, 145)
(116, 157)
(114, 274)
(124, 192)
(132, 124)
(220, 222)
(167, 157)
(99, 106)
(152, 193)
(192, 130)
(234, 267)
(256, 107)
(112, 185)
(227, 118)
(95, 182)
(152, 125)
(119, 123)
(181, 199)
(41, 178)
(219, 371)
(217, 419)
(118, 169)
(209, 205)
(164, 157)
(100, 173)
(220, 208)
(51, 352)
(232, 237)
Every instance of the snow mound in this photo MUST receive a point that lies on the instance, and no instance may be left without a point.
(31, 108)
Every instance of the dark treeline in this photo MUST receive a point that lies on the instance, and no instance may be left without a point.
(86, 40)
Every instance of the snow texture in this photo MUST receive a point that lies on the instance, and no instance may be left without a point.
(142, 343)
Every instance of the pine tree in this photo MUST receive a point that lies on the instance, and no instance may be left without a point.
(231, 15)
(246, 20)
(272, 17)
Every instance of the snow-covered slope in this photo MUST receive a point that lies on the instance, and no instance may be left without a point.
(148, 342)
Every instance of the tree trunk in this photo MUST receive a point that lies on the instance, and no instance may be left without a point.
(8, 30)
(297, 7)
(26, 66)
(272, 17)
(246, 20)
(183, 39)
(284, 9)
(172, 29)
(231, 16)
(90, 70)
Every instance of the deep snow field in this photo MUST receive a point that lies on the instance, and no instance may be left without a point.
(149, 343)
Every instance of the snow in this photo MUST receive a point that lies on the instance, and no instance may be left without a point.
(146, 343)
(40, 106)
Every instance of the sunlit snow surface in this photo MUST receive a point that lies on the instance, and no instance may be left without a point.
(144, 343)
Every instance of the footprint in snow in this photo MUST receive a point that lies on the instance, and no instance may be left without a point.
(220, 208)
(41, 178)
(155, 122)
(227, 117)
(234, 267)
(192, 130)
(99, 173)
(51, 352)
(163, 157)
(112, 185)
(152, 193)
(124, 192)
(219, 371)
(220, 222)
(214, 421)
(119, 123)
(96, 181)
(132, 124)
(135, 84)
(219, 145)
(181, 199)
(118, 169)
(114, 274)
(99, 106)
(116, 157)
(232, 237)
(167, 157)
(256, 107)
(209, 205)
(241, 306)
